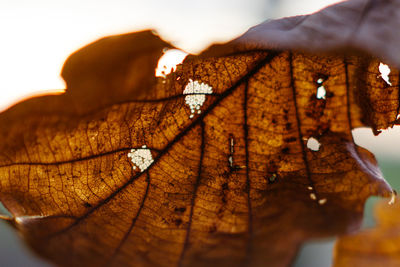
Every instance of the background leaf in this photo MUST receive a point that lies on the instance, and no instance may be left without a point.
(372, 247)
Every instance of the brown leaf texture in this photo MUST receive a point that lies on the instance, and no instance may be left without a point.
(229, 182)
(378, 246)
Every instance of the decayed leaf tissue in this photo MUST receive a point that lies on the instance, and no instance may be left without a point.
(236, 158)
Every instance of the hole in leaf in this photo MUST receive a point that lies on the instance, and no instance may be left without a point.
(230, 160)
(313, 144)
(141, 158)
(195, 98)
(385, 71)
(321, 92)
(322, 201)
(168, 62)
(393, 198)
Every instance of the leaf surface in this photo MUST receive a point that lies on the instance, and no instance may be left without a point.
(230, 180)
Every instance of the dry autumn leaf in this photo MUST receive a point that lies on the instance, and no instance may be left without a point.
(236, 158)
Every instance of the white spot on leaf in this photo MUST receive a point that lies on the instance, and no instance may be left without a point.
(141, 158)
(313, 144)
(196, 95)
(385, 71)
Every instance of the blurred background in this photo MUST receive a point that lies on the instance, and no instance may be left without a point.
(37, 36)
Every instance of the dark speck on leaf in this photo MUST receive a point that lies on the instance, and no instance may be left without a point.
(178, 222)
(290, 139)
(272, 178)
(180, 210)
(329, 94)
(225, 186)
(213, 229)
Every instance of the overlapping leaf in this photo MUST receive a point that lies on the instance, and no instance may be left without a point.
(378, 246)
(230, 181)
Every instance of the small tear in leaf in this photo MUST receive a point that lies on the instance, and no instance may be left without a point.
(321, 92)
(385, 71)
(322, 201)
(168, 62)
(230, 159)
(393, 198)
(195, 98)
(313, 144)
(231, 150)
(141, 158)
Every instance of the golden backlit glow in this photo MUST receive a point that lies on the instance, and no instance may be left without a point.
(38, 36)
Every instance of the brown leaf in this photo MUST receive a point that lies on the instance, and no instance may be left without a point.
(378, 246)
(367, 26)
(230, 180)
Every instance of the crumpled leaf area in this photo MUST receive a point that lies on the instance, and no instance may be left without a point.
(209, 166)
